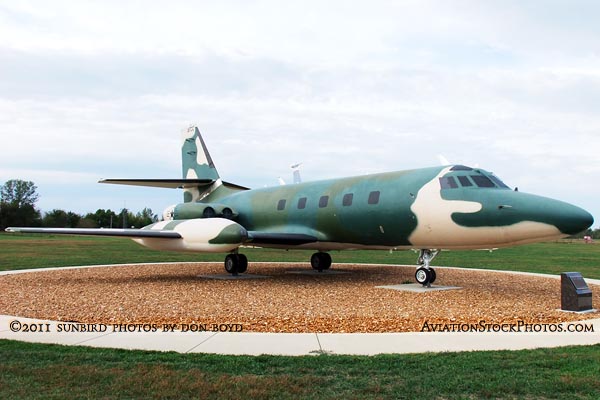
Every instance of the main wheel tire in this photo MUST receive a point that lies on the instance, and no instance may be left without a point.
(232, 264)
(326, 260)
(433, 275)
(315, 262)
(423, 276)
(243, 263)
(320, 261)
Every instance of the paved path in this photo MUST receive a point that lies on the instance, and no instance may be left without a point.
(295, 343)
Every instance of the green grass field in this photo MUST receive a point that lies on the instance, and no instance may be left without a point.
(18, 251)
(48, 371)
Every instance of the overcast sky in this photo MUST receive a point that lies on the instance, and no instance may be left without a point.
(102, 89)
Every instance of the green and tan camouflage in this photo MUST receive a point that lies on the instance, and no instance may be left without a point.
(427, 209)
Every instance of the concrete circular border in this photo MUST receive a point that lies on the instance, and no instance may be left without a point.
(296, 344)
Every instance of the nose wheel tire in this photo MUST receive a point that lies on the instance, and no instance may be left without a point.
(433, 275)
(425, 276)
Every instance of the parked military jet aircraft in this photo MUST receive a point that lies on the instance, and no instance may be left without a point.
(429, 209)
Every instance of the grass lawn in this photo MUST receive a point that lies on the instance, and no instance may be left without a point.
(18, 251)
(49, 371)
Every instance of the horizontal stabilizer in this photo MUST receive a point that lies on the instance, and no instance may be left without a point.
(280, 238)
(170, 183)
(161, 183)
(130, 233)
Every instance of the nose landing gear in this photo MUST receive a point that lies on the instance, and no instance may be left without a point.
(425, 275)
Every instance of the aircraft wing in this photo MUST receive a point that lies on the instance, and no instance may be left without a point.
(130, 233)
(253, 236)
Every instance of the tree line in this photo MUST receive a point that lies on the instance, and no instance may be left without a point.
(17, 208)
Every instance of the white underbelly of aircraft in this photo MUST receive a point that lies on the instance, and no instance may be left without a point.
(454, 236)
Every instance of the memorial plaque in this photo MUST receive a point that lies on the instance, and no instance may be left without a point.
(575, 295)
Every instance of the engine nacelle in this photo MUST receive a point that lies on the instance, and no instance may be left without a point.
(198, 210)
(214, 235)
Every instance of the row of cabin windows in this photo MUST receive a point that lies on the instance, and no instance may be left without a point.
(324, 201)
(480, 180)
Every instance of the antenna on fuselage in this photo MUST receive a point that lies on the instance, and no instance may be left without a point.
(296, 175)
(296, 168)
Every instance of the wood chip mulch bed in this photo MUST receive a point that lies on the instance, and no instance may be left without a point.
(282, 302)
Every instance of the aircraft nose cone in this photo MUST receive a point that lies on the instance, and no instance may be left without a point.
(572, 219)
(565, 217)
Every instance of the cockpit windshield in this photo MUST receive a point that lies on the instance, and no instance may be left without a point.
(483, 181)
(466, 177)
(498, 182)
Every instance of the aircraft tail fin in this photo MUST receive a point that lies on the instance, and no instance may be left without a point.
(200, 179)
(196, 163)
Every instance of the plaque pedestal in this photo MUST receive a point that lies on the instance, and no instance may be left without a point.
(575, 295)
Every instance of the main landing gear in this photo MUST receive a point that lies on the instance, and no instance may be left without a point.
(425, 275)
(236, 263)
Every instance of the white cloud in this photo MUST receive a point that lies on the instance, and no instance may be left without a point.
(103, 88)
(47, 177)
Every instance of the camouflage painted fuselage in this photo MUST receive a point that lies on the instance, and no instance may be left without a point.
(406, 209)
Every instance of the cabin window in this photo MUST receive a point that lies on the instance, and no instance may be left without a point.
(464, 181)
(482, 181)
(347, 200)
(323, 201)
(448, 182)
(281, 205)
(302, 203)
(374, 197)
